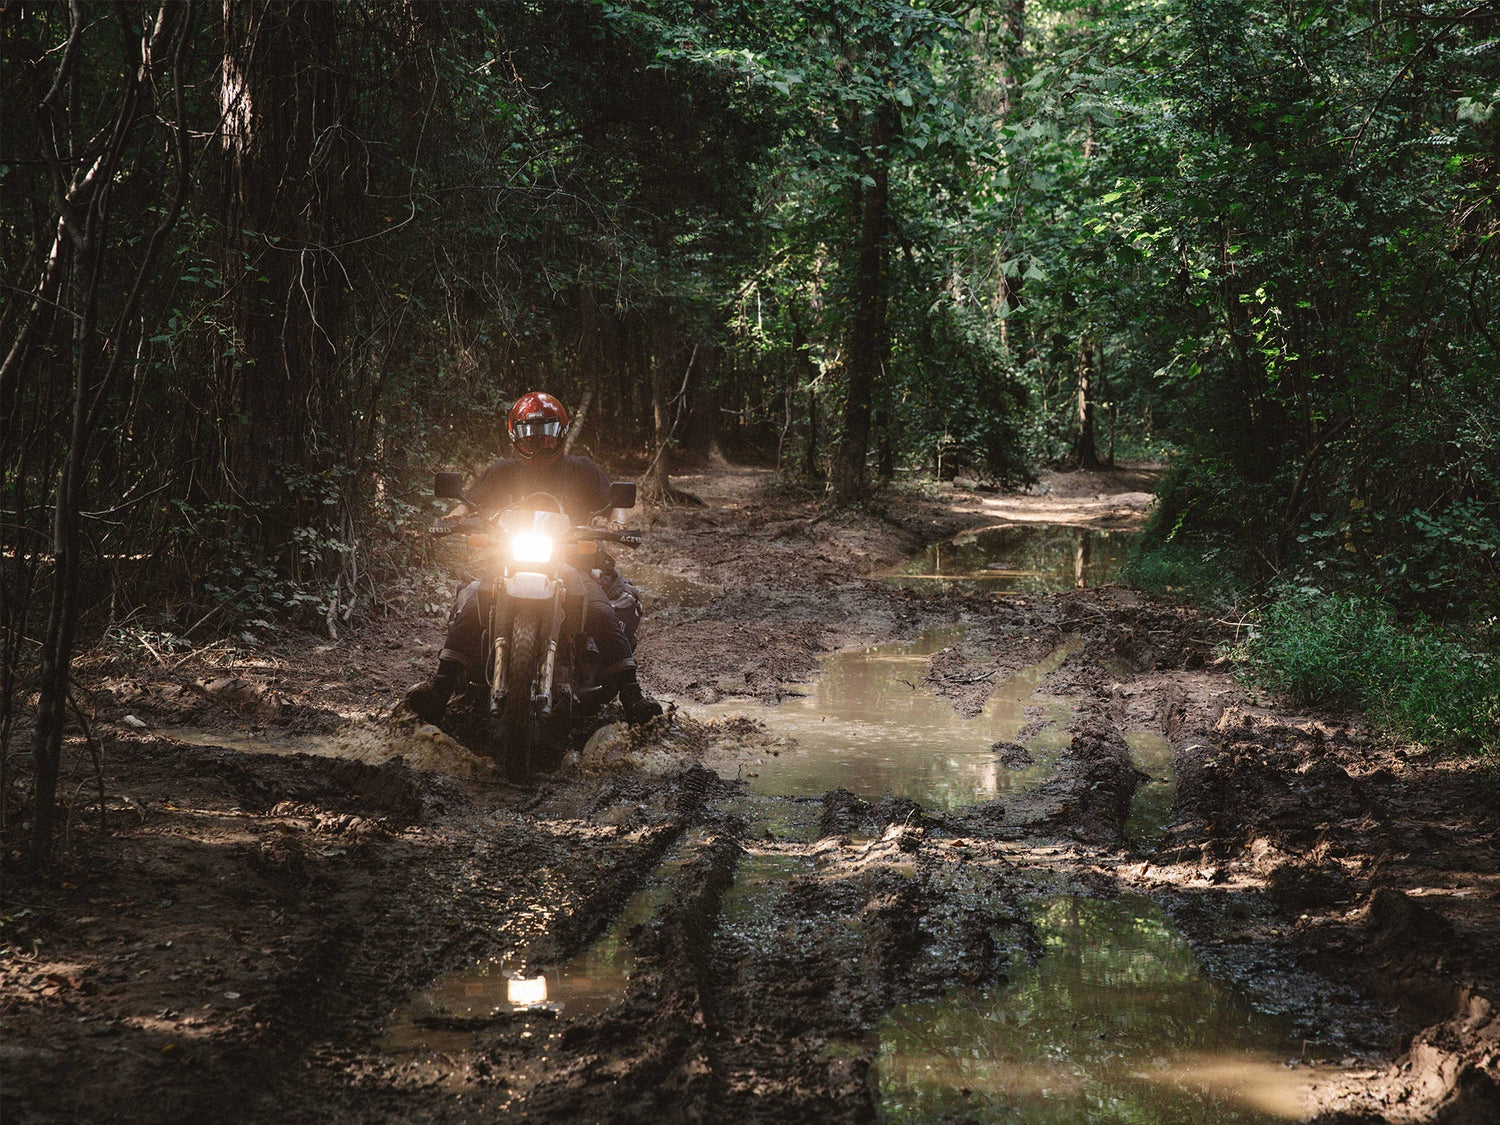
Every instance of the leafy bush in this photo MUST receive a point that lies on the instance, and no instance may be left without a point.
(1204, 576)
(1200, 543)
(1348, 650)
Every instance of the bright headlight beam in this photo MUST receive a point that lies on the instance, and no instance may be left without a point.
(531, 547)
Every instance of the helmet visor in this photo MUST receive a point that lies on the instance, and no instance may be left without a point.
(531, 438)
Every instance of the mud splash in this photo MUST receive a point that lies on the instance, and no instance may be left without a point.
(869, 725)
(1027, 559)
(422, 747)
(1116, 1022)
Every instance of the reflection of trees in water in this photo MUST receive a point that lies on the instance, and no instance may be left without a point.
(1109, 1017)
(1027, 559)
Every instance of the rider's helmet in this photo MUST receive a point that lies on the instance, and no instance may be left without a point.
(537, 425)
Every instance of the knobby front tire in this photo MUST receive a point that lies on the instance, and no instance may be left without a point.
(517, 722)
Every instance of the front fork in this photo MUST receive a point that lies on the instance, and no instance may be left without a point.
(502, 615)
(549, 659)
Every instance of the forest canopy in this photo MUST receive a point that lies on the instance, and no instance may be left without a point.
(268, 263)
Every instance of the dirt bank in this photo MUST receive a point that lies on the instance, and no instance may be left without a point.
(278, 866)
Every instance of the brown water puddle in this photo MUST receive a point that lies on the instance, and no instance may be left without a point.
(869, 725)
(660, 586)
(1033, 558)
(1151, 806)
(1115, 1023)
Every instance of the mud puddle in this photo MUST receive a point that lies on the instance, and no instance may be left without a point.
(1033, 558)
(1115, 1022)
(775, 819)
(662, 587)
(1151, 806)
(869, 725)
(445, 1015)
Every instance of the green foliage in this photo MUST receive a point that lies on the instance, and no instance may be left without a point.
(1269, 231)
(1277, 225)
(1209, 576)
(954, 389)
(1347, 650)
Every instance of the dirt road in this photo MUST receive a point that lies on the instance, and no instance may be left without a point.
(1152, 895)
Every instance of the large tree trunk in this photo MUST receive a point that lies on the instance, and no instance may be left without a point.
(869, 337)
(277, 103)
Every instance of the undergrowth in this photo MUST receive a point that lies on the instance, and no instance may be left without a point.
(1350, 650)
(1203, 576)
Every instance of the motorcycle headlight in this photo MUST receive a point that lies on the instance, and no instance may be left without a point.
(531, 547)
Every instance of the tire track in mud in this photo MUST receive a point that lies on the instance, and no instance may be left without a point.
(648, 1056)
(765, 1003)
(540, 885)
(770, 960)
(762, 975)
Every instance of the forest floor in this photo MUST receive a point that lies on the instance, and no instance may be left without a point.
(296, 905)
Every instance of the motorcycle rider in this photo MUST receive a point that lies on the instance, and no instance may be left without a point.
(537, 425)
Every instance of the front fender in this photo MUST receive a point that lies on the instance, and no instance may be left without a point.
(528, 585)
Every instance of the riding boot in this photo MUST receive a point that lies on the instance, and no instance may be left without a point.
(429, 699)
(639, 707)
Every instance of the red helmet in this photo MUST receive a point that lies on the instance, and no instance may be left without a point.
(537, 425)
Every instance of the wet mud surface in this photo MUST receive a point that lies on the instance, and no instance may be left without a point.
(1082, 875)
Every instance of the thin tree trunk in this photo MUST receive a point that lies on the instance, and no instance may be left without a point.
(1085, 452)
(656, 485)
(84, 214)
(579, 418)
(810, 465)
(1112, 406)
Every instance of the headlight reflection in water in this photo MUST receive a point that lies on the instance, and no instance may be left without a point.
(526, 992)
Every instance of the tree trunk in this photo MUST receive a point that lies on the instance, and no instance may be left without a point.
(96, 357)
(57, 646)
(803, 369)
(1085, 452)
(885, 459)
(1111, 407)
(1009, 56)
(656, 485)
(868, 343)
(276, 103)
(810, 465)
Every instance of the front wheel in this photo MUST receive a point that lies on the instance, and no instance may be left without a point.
(517, 721)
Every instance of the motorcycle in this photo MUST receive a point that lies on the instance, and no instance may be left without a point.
(540, 667)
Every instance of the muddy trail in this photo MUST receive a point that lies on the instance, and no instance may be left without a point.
(942, 826)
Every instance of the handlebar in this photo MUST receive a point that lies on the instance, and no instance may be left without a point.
(440, 528)
(629, 537)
